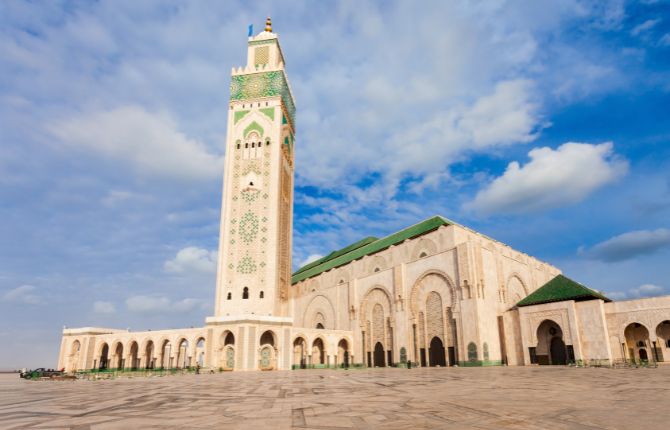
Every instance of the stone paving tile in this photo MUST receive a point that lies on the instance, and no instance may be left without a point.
(520, 398)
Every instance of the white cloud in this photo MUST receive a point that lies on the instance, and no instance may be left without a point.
(150, 142)
(550, 179)
(629, 245)
(160, 304)
(309, 259)
(644, 290)
(192, 259)
(22, 294)
(645, 26)
(102, 307)
(665, 40)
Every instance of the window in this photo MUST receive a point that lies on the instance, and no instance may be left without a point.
(238, 146)
(640, 344)
(262, 295)
(667, 342)
(230, 296)
(533, 355)
(376, 269)
(253, 144)
(246, 145)
(267, 143)
(245, 293)
(320, 326)
(423, 254)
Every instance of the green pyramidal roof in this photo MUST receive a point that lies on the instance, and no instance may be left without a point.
(559, 289)
(367, 246)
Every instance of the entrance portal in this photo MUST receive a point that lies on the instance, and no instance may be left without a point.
(379, 355)
(550, 347)
(436, 353)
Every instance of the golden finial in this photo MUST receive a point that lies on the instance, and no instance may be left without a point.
(268, 25)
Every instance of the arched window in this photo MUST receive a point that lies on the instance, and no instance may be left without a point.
(245, 293)
(423, 254)
(640, 344)
(377, 269)
(262, 295)
(238, 146)
(246, 145)
(320, 326)
(230, 295)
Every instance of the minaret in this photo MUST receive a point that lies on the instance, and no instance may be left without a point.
(254, 264)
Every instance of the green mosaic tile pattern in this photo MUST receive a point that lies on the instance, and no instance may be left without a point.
(254, 126)
(239, 115)
(246, 265)
(269, 112)
(248, 227)
(250, 196)
(264, 84)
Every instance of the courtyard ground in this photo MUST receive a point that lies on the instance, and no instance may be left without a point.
(446, 398)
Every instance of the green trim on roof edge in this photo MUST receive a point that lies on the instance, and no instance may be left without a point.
(361, 248)
(559, 289)
(337, 253)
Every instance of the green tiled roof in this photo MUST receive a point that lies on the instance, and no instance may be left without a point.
(365, 247)
(559, 289)
(335, 254)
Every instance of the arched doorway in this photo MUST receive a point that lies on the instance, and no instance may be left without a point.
(149, 360)
(379, 355)
(132, 356)
(166, 355)
(343, 353)
(200, 352)
(550, 348)
(318, 352)
(300, 352)
(436, 354)
(663, 335)
(227, 359)
(183, 360)
(637, 342)
(118, 355)
(267, 351)
(104, 356)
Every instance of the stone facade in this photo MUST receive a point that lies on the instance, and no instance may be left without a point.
(436, 293)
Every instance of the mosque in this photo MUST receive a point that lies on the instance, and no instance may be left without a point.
(435, 293)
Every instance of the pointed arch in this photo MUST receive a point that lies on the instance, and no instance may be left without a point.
(432, 280)
(319, 305)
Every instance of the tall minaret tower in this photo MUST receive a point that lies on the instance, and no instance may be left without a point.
(254, 266)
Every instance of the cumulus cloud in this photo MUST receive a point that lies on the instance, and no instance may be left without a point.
(550, 179)
(192, 259)
(644, 290)
(105, 308)
(160, 304)
(629, 245)
(149, 142)
(23, 294)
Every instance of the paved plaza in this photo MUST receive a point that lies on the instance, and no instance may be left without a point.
(445, 398)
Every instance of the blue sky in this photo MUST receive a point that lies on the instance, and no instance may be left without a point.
(545, 125)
